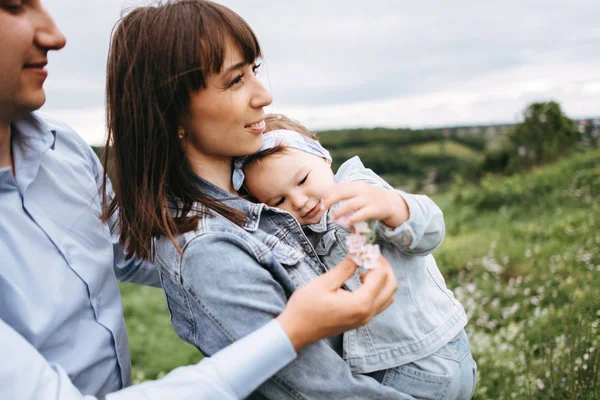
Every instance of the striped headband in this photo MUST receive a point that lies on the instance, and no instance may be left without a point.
(280, 137)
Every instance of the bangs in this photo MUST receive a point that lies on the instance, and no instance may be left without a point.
(219, 25)
(169, 50)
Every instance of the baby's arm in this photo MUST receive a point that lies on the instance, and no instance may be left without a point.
(413, 223)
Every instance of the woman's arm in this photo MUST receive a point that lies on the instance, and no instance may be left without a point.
(223, 294)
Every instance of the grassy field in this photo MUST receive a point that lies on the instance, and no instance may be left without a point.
(523, 256)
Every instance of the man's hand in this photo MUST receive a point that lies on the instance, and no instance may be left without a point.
(364, 202)
(321, 308)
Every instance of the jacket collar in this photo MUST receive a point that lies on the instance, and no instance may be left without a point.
(252, 210)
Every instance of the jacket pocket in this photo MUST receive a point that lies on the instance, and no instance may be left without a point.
(323, 247)
(289, 258)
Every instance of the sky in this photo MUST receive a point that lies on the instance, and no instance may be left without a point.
(348, 63)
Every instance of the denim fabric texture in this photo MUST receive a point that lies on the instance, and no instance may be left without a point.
(425, 315)
(448, 374)
(230, 280)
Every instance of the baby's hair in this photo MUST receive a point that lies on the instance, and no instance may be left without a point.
(275, 122)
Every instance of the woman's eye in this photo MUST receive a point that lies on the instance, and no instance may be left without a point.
(255, 68)
(11, 5)
(237, 80)
(280, 202)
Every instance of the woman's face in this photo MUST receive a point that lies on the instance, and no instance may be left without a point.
(226, 118)
(27, 33)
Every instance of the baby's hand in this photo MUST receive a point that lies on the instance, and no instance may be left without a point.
(363, 202)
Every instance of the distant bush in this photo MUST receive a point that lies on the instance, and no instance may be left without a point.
(345, 138)
(478, 143)
(545, 134)
(496, 160)
(494, 192)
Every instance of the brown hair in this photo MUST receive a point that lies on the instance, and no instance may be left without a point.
(275, 122)
(159, 55)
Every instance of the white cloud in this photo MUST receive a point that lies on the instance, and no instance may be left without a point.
(349, 63)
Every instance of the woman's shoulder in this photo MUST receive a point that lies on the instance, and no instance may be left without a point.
(208, 222)
(209, 225)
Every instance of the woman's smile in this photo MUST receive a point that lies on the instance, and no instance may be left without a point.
(257, 127)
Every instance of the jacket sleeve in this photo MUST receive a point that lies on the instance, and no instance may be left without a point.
(425, 228)
(224, 293)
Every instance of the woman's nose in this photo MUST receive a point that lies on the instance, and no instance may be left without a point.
(261, 96)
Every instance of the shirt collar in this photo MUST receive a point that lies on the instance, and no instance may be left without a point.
(320, 226)
(31, 134)
(31, 138)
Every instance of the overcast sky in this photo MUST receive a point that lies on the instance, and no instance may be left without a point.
(349, 63)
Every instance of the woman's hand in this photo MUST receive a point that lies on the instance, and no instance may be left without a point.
(321, 308)
(366, 202)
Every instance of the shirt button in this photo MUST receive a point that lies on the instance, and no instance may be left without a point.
(306, 249)
(405, 240)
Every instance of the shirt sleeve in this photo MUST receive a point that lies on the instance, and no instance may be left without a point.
(230, 374)
(25, 374)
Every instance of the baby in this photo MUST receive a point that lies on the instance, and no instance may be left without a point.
(418, 344)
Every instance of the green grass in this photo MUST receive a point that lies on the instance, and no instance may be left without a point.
(155, 347)
(447, 147)
(521, 253)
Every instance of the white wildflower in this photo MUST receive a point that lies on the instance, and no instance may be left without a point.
(360, 250)
(362, 228)
(540, 384)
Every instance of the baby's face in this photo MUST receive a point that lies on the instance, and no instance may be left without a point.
(294, 181)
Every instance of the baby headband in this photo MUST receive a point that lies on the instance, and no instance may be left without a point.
(281, 137)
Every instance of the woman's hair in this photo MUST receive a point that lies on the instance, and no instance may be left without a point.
(276, 122)
(158, 57)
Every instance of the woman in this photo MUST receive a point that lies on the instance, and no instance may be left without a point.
(183, 99)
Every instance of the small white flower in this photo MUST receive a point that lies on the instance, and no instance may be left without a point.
(371, 255)
(355, 242)
(360, 250)
(540, 384)
(362, 227)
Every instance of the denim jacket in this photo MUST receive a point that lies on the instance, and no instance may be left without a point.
(425, 315)
(230, 280)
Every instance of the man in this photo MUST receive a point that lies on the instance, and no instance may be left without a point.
(62, 334)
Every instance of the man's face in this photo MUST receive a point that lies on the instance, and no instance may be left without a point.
(27, 33)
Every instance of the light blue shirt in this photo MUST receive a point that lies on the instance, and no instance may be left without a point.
(62, 333)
